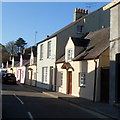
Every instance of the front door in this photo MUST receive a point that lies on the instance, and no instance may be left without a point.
(19, 75)
(51, 78)
(105, 85)
(31, 77)
(69, 82)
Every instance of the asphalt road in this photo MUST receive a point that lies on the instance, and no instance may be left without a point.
(25, 103)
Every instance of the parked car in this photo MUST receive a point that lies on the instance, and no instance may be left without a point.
(8, 78)
(2, 71)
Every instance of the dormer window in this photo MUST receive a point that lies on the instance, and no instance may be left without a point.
(70, 54)
(79, 29)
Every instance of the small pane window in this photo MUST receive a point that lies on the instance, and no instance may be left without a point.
(70, 54)
(41, 51)
(82, 79)
(61, 78)
(79, 29)
(49, 50)
(44, 74)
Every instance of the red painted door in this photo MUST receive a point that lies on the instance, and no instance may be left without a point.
(69, 84)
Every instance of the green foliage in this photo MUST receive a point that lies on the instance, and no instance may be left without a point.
(20, 42)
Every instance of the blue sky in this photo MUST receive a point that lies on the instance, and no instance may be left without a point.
(22, 19)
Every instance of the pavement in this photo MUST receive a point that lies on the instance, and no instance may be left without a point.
(102, 108)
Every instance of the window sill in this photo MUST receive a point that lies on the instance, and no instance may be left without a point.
(61, 86)
(82, 85)
(49, 57)
(70, 60)
(79, 32)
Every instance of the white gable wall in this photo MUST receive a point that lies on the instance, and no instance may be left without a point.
(69, 45)
(46, 62)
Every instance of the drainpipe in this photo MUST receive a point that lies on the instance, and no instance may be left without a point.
(36, 68)
(95, 80)
(36, 75)
(55, 78)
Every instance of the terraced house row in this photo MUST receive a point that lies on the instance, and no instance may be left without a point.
(81, 59)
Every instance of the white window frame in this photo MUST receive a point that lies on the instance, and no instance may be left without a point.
(82, 79)
(44, 74)
(49, 49)
(61, 79)
(70, 54)
(41, 52)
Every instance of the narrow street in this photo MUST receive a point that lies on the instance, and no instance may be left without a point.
(21, 102)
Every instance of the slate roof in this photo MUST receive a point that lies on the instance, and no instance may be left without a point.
(61, 60)
(99, 42)
(26, 57)
(26, 62)
(27, 51)
(67, 66)
(80, 41)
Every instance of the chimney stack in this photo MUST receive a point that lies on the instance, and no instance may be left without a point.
(79, 13)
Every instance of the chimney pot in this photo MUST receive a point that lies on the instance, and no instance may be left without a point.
(86, 11)
(79, 13)
(47, 36)
(82, 11)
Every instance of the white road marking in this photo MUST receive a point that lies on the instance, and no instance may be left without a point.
(19, 99)
(30, 115)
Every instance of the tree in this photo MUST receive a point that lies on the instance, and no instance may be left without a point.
(20, 43)
(4, 55)
(11, 48)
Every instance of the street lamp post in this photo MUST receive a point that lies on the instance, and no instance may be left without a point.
(35, 37)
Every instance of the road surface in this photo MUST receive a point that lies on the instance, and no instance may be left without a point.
(21, 102)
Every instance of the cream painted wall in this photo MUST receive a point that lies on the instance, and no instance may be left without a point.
(104, 58)
(33, 67)
(88, 67)
(75, 78)
(62, 88)
(10, 71)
